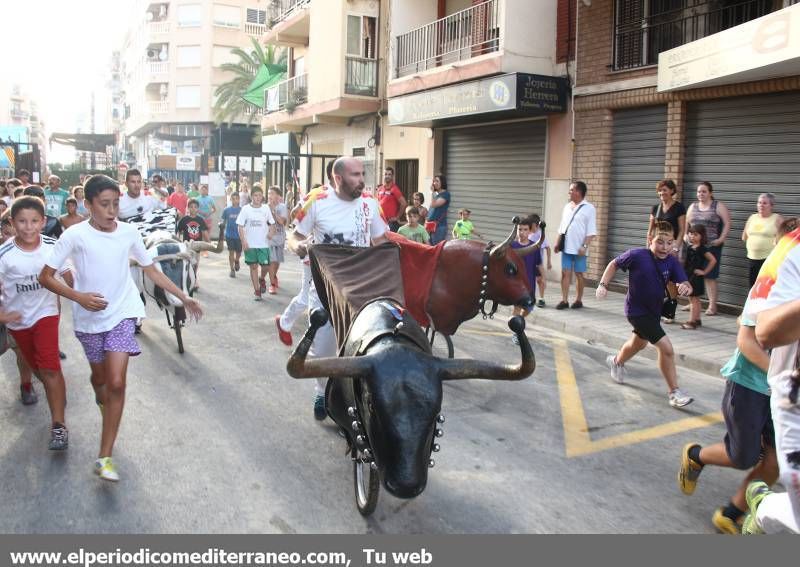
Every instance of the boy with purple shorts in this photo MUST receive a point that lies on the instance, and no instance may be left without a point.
(106, 302)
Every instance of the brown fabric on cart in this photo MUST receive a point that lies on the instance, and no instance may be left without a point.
(347, 278)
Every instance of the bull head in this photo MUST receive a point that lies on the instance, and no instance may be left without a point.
(399, 388)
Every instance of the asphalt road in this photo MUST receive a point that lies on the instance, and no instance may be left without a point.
(222, 440)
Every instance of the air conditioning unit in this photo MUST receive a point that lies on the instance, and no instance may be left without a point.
(152, 54)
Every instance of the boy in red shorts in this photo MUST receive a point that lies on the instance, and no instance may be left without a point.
(30, 311)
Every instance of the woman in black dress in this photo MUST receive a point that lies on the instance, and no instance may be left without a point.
(668, 210)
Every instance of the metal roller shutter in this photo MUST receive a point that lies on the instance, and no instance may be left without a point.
(637, 162)
(744, 146)
(497, 172)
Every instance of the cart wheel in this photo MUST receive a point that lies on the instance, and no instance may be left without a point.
(448, 344)
(178, 319)
(367, 486)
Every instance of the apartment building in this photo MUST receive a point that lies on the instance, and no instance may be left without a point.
(169, 67)
(20, 123)
(479, 91)
(691, 90)
(331, 101)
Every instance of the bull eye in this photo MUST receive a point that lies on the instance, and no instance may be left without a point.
(511, 269)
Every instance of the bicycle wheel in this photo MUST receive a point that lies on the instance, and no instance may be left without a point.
(367, 486)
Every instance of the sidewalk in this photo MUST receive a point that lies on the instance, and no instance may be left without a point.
(706, 349)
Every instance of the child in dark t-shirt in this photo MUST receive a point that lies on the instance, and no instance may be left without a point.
(699, 262)
(532, 258)
(192, 227)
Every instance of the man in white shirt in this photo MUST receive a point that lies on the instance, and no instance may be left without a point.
(133, 202)
(578, 227)
(342, 215)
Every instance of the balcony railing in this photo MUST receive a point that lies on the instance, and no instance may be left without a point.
(158, 106)
(463, 35)
(280, 10)
(158, 27)
(645, 28)
(286, 95)
(361, 76)
(255, 30)
(158, 67)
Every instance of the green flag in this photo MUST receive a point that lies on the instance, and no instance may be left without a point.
(267, 76)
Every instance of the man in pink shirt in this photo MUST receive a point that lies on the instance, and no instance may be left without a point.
(179, 199)
(391, 200)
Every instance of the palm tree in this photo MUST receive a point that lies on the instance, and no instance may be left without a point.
(230, 104)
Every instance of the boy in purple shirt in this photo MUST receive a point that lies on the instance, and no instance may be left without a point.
(649, 269)
(531, 257)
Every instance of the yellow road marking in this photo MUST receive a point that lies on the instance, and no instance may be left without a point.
(577, 440)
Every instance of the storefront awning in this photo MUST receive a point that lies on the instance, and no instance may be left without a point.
(504, 96)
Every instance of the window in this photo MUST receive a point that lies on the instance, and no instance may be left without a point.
(189, 56)
(187, 97)
(227, 16)
(221, 54)
(256, 16)
(190, 15)
(361, 31)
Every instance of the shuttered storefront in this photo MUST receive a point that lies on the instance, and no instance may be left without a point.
(637, 164)
(744, 146)
(497, 172)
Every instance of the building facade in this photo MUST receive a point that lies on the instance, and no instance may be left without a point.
(169, 67)
(692, 90)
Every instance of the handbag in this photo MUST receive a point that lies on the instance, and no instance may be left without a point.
(670, 305)
(562, 238)
(431, 226)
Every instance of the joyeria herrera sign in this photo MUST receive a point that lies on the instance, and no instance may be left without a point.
(515, 93)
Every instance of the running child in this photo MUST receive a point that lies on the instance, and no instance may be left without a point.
(30, 311)
(649, 271)
(206, 207)
(72, 216)
(192, 227)
(277, 242)
(412, 229)
(698, 264)
(541, 279)
(106, 302)
(232, 240)
(532, 260)
(256, 225)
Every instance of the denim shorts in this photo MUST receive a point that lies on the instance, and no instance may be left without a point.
(573, 262)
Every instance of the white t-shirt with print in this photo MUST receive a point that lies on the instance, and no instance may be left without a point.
(256, 221)
(331, 220)
(130, 207)
(22, 292)
(101, 261)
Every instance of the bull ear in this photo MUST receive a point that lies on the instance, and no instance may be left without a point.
(500, 249)
(461, 369)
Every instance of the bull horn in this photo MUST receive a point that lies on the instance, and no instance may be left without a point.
(330, 367)
(461, 369)
(196, 246)
(500, 249)
(525, 250)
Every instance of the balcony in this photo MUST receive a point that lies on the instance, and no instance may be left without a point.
(157, 69)
(361, 76)
(643, 31)
(290, 22)
(286, 95)
(158, 106)
(466, 34)
(158, 28)
(255, 30)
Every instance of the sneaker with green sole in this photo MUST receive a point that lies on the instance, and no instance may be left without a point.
(756, 491)
(725, 524)
(690, 471)
(105, 469)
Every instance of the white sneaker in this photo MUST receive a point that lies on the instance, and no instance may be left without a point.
(617, 370)
(678, 398)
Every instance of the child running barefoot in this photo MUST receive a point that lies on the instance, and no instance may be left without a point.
(699, 262)
(106, 302)
(649, 269)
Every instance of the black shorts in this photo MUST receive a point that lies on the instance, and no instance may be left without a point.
(749, 423)
(234, 244)
(647, 327)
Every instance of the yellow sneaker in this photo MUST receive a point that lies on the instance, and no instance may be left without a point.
(724, 524)
(105, 469)
(690, 471)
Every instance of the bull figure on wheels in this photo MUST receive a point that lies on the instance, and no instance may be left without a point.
(385, 388)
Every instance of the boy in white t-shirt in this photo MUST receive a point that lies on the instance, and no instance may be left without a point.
(30, 311)
(256, 226)
(106, 302)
